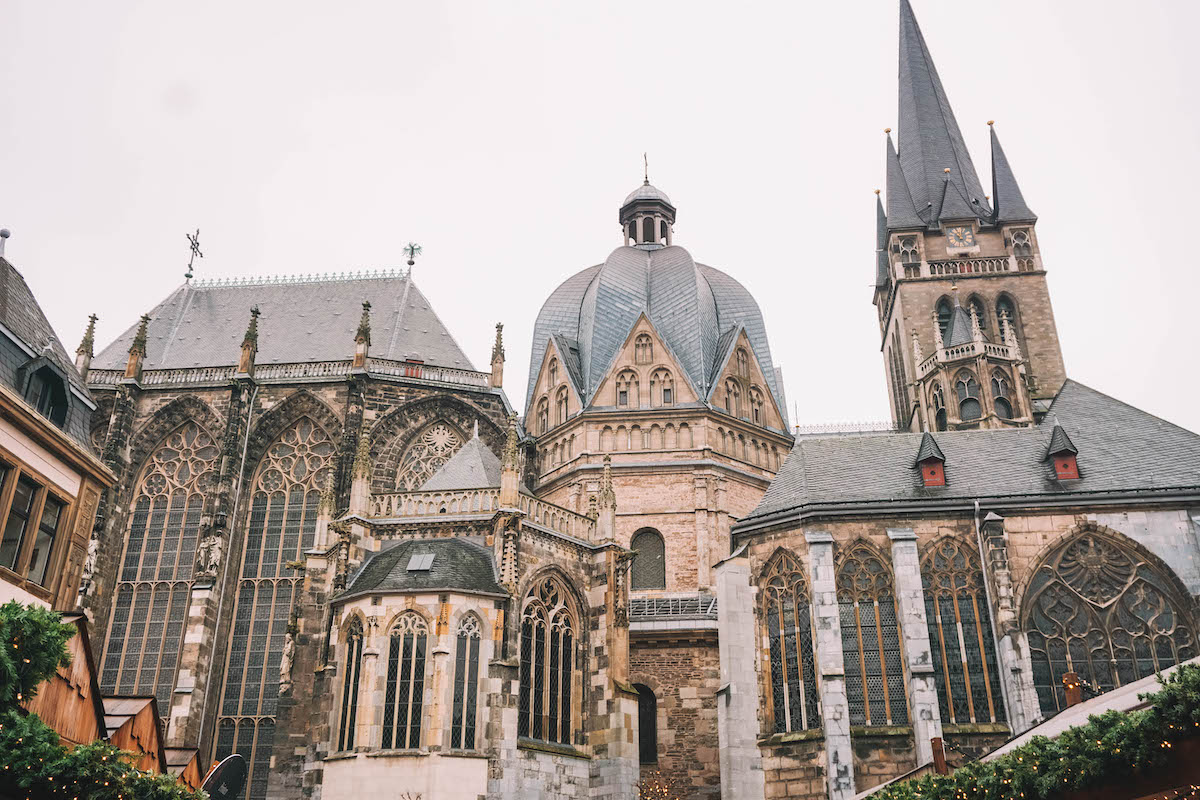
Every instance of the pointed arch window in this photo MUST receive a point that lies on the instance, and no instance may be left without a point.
(733, 398)
(1002, 395)
(466, 683)
(282, 523)
(649, 569)
(967, 389)
(543, 415)
(547, 666)
(1022, 246)
(648, 230)
(787, 610)
(351, 675)
(627, 389)
(643, 349)
(944, 312)
(758, 406)
(1100, 608)
(960, 634)
(939, 406)
(150, 604)
(910, 252)
(560, 406)
(743, 363)
(870, 638)
(428, 452)
(662, 388)
(404, 688)
(554, 372)
(647, 724)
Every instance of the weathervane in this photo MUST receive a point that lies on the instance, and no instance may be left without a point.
(646, 166)
(412, 250)
(194, 242)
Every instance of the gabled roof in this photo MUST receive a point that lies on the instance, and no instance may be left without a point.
(458, 564)
(474, 466)
(958, 330)
(1060, 443)
(1128, 451)
(24, 318)
(303, 320)
(1006, 195)
(568, 350)
(930, 139)
(928, 450)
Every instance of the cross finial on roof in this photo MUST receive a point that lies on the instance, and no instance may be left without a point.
(194, 244)
(646, 167)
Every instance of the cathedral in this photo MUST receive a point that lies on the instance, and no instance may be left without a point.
(334, 545)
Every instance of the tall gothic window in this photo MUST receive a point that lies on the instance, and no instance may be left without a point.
(944, 312)
(543, 415)
(649, 569)
(743, 363)
(282, 524)
(758, 407)
(150, 606)
(733, 398)
(426, 454)
(560, 406)
(960, 633)
(1022, 245)
(870, 638)
(794, 700)
(1097, 607)
(939, 406)
(351, 674)
(967, 389)
(1002, 395)
(662, 388)
(404, 689)
(554, 372)
(466, 684)
(547, 664)
(627, 389)
(643, 349)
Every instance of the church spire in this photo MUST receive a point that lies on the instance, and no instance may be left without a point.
(930, 140)
(901, 212)
(882, 268)
(1006, 195)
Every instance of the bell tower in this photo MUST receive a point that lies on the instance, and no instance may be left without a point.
(967, 331)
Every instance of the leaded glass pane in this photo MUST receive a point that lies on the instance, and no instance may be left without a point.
(649, 569)
(794, 702)
(547, 664)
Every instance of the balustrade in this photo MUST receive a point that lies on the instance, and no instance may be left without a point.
(969, 266)
(421, 504)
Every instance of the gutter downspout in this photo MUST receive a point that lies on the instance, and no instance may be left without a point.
(987, 590)
(237, 496)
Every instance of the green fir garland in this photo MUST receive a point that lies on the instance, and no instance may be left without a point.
(1107, 749)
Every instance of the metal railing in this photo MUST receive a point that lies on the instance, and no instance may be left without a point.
(658, 609)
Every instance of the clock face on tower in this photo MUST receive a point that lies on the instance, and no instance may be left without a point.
(960, 236)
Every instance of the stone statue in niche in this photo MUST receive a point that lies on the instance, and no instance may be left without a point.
(89, 567)
(208, 556)
(285, 662)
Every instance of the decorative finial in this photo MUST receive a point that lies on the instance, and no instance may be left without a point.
(89, 338)
(887, 130)
(607, 497)
(498, 346)
(509, 461)
(251, 338)
(976, 331)
(327, 496)
(646, 165)
(918, 357)
(362, 454)
(139, 339)
(938, 343)
(991, 122)
(194, 243)
(412, 250)
(363, 335)
(954, 291)
(946, 170)
(876, 191)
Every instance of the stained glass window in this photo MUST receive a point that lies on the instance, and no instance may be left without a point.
(795, 704)
(404, 691)
(870, 638)
(547, 665)
(151, 595)
(351, 674)
(649, 570)
(1099, 608)
(967, 388)
(429, 451)
(960, 634)
(466, 683)
(282, 525)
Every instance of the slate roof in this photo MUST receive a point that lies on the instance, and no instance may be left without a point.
(691, 305)
(21, 314)
(303, 320)
(901, 211)
(474, 466)
(928, 449)
(1122, 449)
(930, 140)
(647, 192)
(1060, 442)
(1006, 195)
(882, 267)
(958, 329)
(458, 564)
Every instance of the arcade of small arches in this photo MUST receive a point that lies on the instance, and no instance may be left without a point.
(1097, 605)
(1003, 307)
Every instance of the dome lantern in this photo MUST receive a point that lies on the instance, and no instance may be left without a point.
(647, 217)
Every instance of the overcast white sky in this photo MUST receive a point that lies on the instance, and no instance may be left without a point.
(502, 137)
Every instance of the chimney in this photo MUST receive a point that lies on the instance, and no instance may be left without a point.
(83, 353)
(137, 351)
(4, 234)
(249, 345)
(498, 357)
(362, 339)
(510, 468)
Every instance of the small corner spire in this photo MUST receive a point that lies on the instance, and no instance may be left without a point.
(510, 469)
(249, 345)
(362, 337)
(88, 343)
(1007, 200)
(497, 379)
(251, 337)
(137, 350)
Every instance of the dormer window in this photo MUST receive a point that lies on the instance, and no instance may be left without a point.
(48, 394)
(931, 463)
(1066, 468)
(1063, 454)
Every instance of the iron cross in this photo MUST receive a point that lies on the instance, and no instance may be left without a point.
(194, 242)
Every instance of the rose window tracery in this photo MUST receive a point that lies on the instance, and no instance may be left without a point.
(431, 450)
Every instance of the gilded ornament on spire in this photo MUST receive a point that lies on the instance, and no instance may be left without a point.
(363, 336)
(89, 338)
